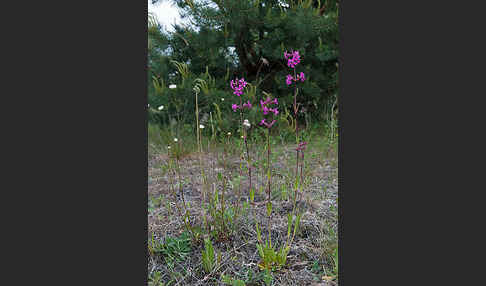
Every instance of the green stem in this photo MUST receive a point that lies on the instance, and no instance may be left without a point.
(296, 139)
(223, 228)
(269, 183)
(248, 161)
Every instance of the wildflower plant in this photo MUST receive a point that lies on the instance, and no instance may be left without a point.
(199, 84)
(269, 112)
(273, 258)
(293, 59)
(238, 86)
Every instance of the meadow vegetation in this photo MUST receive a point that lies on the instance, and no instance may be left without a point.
(243, 164)
(213, 229)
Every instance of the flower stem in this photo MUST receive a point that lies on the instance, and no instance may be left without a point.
(248, 161)
(199, 144)
(269, 187)
(297, 139)
(301, 176)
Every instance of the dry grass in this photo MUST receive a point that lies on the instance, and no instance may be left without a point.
(309, 258)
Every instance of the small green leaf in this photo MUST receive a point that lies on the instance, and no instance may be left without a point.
(269, 208)
(289, 223)
(259, 236)
(297, 222)
(260, 251)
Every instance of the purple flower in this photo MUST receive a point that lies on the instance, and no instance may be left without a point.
(294, 60)
(289, 79)
(238, 85)
(302, 76)
(247, 105)
(302, 146)
(267, 101)
(274, 110)
(235, 107)
(267, 124)
(265, 110)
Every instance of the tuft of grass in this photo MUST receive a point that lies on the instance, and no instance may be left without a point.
(208, 256)
(173, 249)
(329, 244)
(156, 279)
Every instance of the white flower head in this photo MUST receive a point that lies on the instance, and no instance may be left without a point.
(246, 123)
(222, 99)
(229, 133)
(175, 140)
(201, 126)
(148, 105)
(168, 147)
(160, 107)
(172, 86)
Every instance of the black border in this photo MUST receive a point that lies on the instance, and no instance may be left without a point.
(87, 203)
(82, 188)
(341, 149)
(80, 201)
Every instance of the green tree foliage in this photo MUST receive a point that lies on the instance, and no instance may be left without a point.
(247, 38)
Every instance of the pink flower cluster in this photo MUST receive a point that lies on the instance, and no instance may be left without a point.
(245, 105)
(290, 78)
(268, 125)
(238, 85)
(266, 110)
(293, 58)
(302, 146)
